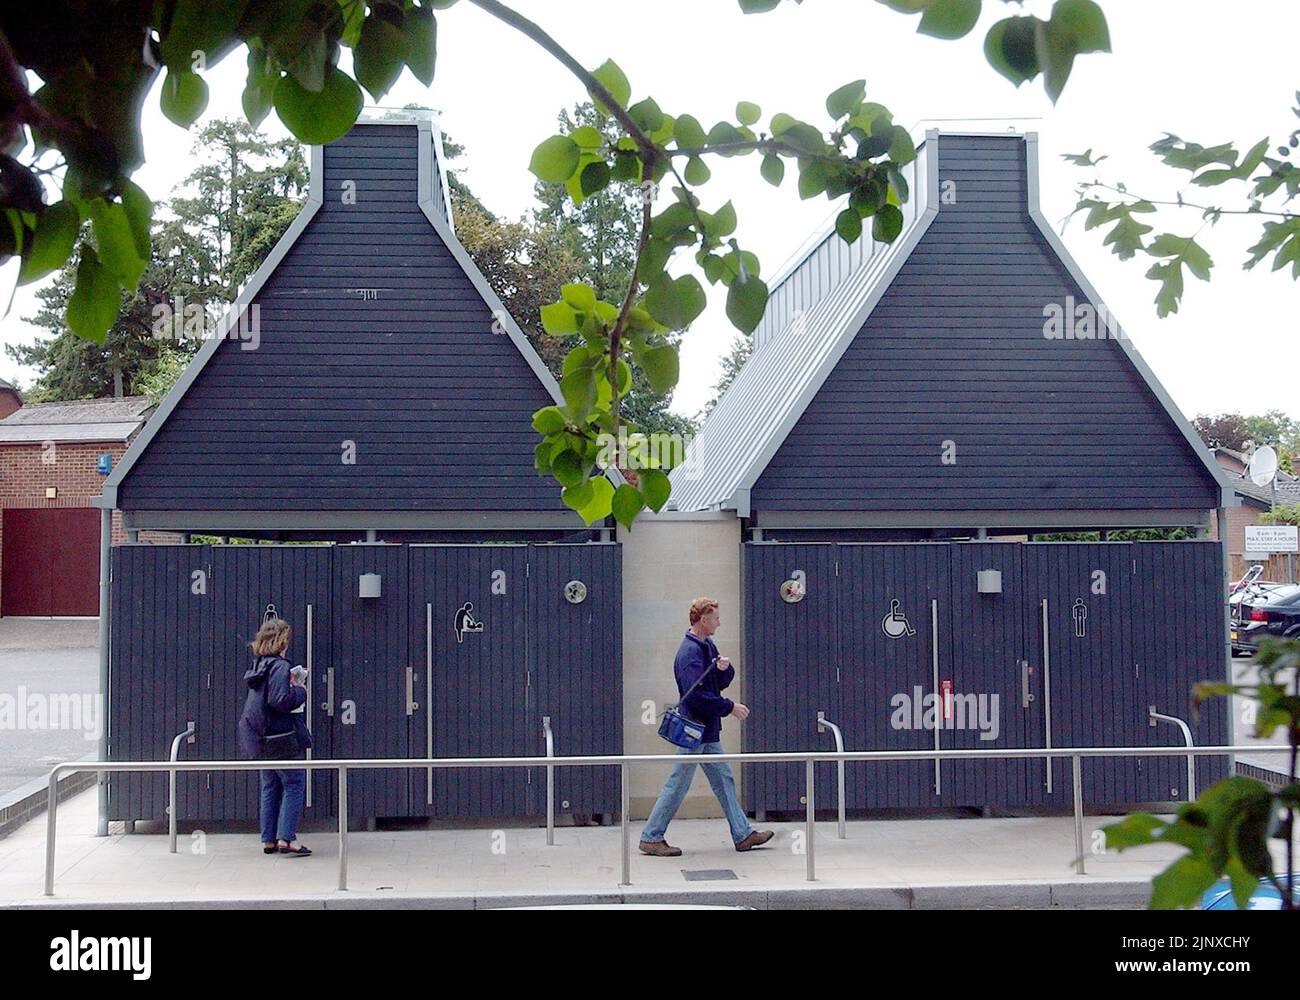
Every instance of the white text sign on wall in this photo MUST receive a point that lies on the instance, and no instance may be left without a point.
(1272, 538)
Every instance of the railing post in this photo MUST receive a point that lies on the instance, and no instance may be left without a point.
(626, 832)
(550, 782)
(343, 829)
(51, 820)
(1078, 814)
(808, 821)
(824, 723)
(171, 784)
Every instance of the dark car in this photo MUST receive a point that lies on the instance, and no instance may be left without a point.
(1275, 613)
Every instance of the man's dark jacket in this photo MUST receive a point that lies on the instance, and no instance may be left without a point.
(274, 713)
(705, 705)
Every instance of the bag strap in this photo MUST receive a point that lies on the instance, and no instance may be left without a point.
(713, 663)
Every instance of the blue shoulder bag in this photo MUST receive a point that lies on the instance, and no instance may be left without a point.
(681, 730)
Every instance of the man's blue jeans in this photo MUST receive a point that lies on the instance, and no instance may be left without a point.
(282, 795)
(679, 783)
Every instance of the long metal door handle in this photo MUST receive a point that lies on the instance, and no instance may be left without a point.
(1026, 695)
(411, 703)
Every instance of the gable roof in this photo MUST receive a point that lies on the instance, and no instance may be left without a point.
(86, 420)
(441, 305)
(789, 367)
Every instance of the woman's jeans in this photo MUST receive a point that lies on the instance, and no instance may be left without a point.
(679, 783)
(282, 794)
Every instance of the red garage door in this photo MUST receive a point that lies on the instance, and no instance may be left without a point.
(50, 561)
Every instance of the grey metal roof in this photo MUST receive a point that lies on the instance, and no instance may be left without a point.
(829, 291)
(76, 420)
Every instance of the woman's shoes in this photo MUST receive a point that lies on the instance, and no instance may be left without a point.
(296, 852)
(269, 850)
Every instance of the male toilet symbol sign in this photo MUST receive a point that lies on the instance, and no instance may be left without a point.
(1080, 614)
(895, 624)
(465, 621)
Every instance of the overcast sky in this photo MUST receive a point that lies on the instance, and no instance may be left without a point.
(1204, 70)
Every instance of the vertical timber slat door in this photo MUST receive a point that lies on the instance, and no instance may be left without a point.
(791, 654)
(888, 675)
(989, 643)
(576, 662)
(158, 662)
(368, 647)
(479, 691)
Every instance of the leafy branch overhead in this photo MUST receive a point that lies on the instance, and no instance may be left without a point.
(1263, 185)
(74, 76)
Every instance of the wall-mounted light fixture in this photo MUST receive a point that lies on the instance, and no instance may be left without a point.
(989, 581)
(370, 585)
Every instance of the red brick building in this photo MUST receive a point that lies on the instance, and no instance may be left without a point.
(9, 399)
(1255, 502)
(49, 473)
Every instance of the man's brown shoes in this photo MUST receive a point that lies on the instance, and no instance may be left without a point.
(756, 838)
(660, 849)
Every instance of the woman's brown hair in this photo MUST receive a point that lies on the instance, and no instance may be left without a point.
(272, 638)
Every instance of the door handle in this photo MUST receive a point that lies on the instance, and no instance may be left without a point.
(1026, 672)
(327, 706)
(411, 703)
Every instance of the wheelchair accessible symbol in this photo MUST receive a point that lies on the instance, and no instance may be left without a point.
(895, 624)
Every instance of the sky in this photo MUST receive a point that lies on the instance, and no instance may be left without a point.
(1181, 66)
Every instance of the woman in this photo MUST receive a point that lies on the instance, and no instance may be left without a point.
(270, 729)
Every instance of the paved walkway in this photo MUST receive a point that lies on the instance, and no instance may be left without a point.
(882, 863)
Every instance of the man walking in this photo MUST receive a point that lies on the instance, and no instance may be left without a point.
(698, 655)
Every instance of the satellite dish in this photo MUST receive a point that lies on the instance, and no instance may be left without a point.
(1263, 466)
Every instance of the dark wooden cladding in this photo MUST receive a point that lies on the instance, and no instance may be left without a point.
(955, 351)
(370, 332)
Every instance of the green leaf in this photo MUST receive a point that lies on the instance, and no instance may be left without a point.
(559, 319)
(259, 91)
(579, 296)
(197, 29)
(555, 159)
(319, 117)
(593, 178)
(580, 496)
(747, 113)
(688, 132)
(579, 389)
(587, 137)
(601, 502)
(949, 18)
(93, 305)
(115, 242)
(773, 170)
(660, 366)
(1085, 22)
(813, 176)
(723, 222)
(50, 248)
(844, 100)
(758, 6)
(746, 303)
(615, 82)
(380, 53)
(697, 171)
(849, 225)
(421, 43)
(184, 96)
(548, 420)
(1185, 249)
(647, 114)
(655, 488)
(1170, 277)
(675, 303)
(566, 467)
(626, 504)
(1182, 883)
(886, 224)
(901, 149)
(1011, 50)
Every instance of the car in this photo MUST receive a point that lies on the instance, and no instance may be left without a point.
(1266, 897)
(1274, 613)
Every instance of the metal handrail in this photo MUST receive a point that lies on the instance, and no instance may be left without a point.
(624, 762)
(550, 782)
(1153, 716)
(822, 724)
(188, 737)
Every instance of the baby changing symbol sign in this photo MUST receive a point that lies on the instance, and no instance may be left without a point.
(1080, 614)
(466, 622)
(895, 624)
